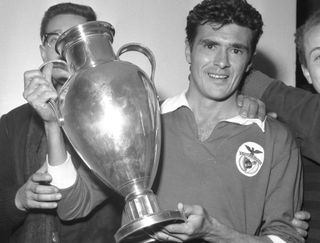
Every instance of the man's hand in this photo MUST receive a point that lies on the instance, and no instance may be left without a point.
(37, 192)
(300, 222)
(38, 89)
(198, 225)
(251, 107)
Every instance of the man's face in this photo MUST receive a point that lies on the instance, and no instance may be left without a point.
(312, 54)
(55, 27)
(218, 59)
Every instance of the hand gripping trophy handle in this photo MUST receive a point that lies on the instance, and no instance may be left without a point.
(51, 101)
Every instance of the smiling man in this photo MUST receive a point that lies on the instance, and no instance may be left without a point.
(239, 179)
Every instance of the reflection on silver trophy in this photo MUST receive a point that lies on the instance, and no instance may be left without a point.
(110, 113)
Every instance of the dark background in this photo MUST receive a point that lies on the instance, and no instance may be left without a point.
(304, 9)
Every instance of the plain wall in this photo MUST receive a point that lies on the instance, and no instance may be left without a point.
(158, 24)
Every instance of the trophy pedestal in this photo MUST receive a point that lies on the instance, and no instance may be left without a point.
(140, 231)
(145, 218)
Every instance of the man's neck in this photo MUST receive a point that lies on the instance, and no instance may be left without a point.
(208, 113)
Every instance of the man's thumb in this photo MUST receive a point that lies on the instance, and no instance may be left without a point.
(43, 168)
(47, 71)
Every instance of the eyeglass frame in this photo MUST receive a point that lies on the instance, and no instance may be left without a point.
(47, 35)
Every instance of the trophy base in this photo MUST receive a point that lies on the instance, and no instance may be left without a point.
(142, 230)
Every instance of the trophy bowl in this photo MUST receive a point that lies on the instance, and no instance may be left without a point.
(109, 111)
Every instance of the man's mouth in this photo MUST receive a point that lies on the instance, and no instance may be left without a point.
(217, 76)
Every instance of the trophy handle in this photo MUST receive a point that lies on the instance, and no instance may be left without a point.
(53, 104)
(142, 49)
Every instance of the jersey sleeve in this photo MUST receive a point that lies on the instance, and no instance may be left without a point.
(284, 194)
(298, 108)
(83, 196)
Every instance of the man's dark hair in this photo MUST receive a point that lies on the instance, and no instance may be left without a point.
(66, 8)
(222, 13)
(311, 22)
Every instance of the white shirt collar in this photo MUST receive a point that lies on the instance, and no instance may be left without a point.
(173, 103)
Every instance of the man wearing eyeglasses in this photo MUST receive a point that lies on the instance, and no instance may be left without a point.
(27, 200)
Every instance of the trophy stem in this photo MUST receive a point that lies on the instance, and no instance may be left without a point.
(140, 205)
(143, 218)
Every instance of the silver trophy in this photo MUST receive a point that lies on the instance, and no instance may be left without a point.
(110, 113)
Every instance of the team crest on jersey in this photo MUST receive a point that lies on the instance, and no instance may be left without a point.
(249, 158)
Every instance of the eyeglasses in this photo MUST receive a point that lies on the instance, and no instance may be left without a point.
(50, 39)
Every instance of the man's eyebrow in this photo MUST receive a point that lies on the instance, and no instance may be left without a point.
(317, 48)
(208, 41)
(234, 45)
(240, 46)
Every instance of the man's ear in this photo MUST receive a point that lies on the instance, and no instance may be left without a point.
(43, 53)
(250, 62)
(306, 73)
(249, 66)
(187, 51)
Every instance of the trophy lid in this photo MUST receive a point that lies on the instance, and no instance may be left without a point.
(82, 31)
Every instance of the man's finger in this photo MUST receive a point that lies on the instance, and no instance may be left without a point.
(41, 177)
(261, 110)
(175, 228)
(29, 76)
(273, 115)
(51, 197)
(164, 237)
(240, 100)
(47, 72)
(44, 189)
(43, 168)
(253, 110)
(244, 110)
(302, 233)
(302, 215)
(43, 205)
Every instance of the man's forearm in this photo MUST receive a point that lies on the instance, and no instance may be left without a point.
(256, 83)
(298, 108)
(56, 146)
(225, 234)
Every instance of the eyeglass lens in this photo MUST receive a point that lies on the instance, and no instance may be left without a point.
(51, 39)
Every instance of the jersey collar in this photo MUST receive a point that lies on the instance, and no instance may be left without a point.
(173, 103)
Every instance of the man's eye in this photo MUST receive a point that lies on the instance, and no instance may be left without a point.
(209, 45)
(53, 40)
(236, 51)
(317, 58)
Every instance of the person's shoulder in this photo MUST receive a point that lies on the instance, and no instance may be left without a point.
(272, 123)
(19, 112)
(258, 75)
(278, 129)
(17, 118)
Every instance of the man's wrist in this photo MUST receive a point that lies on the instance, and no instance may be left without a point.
(63, 175)
(221, 231)
(51, 125)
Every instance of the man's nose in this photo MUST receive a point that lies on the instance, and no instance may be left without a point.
(221, 59)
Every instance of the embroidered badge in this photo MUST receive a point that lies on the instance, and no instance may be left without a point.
(249, 158)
